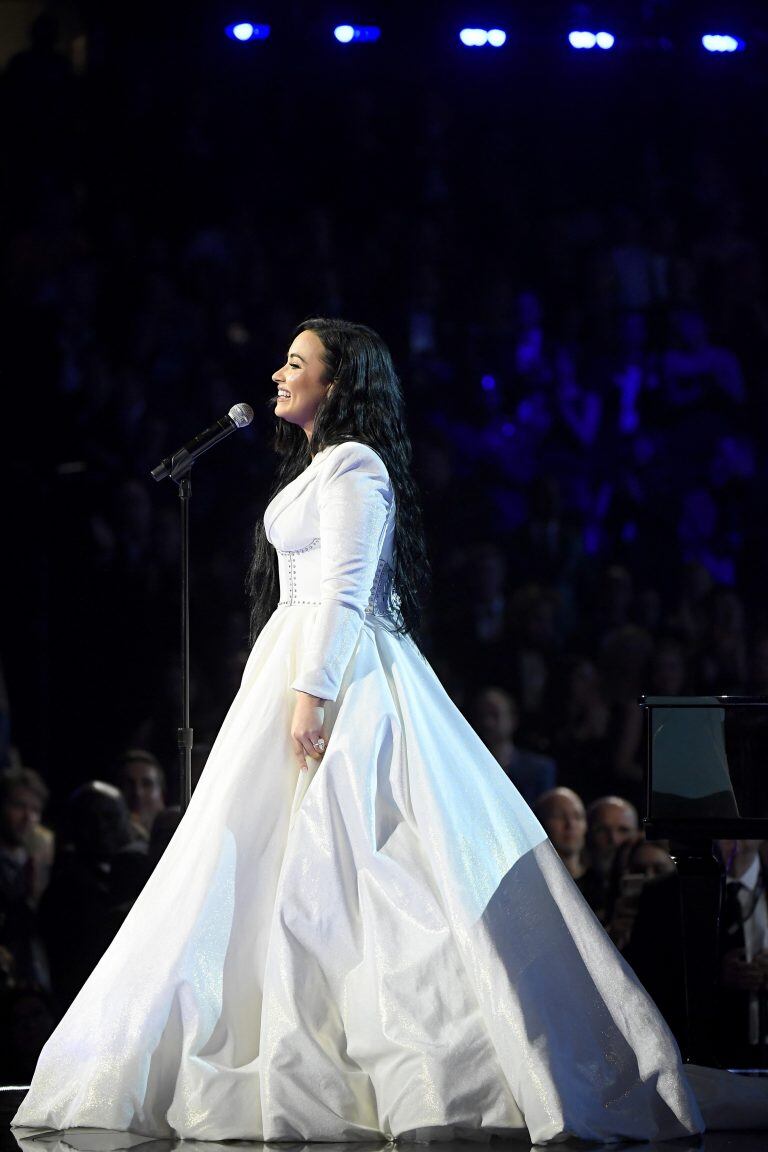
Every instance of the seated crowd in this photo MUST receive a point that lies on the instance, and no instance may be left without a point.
(64, 894)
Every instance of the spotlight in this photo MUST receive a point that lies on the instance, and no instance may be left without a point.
(716, 42)
(488, 383)
(604, 40)
(480, 37)
(582, 39)
(356, 33)
(245, 31)
(473, 37)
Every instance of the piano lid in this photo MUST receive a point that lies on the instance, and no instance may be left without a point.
(707, 766)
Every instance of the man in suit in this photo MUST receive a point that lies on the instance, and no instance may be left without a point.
(742, 1008)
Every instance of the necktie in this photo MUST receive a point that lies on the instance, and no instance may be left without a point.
(733, 915)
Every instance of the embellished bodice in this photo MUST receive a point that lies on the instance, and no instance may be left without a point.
(300, 581)
(333, 529)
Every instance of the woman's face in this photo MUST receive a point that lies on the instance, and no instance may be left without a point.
(304, 377)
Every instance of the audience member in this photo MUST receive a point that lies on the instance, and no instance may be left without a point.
(496, 720)
(742, 1003)
(581, 719)
(141, 779)
(637, 861)
(562, 814)
(611, 820)
(23, 876)
(99, 870)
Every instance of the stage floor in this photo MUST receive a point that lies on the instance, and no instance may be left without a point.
(91, 1140)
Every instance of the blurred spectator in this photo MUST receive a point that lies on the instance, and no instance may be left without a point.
(625, 658)
(723, 655)
(496, 720)
(562, 814)
(696, 364)
(637, 861)
(688, 618)
(581, 735)
(611, 820)
(536, 642)
(669, 674)
(141, 779)
(613, 602)
(547, 548)
(99, 870)
(24, 863)
(480, 614)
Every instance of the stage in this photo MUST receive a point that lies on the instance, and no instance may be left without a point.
(92, 1140)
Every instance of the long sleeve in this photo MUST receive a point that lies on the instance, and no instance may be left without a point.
(354, 499)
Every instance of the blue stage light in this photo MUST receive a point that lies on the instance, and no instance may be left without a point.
(487, 383)
(473, 37)
(245, 31)
(716, 42)
(583, 39)
(480, 37)
(357, 33)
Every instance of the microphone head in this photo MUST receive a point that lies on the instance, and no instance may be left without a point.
(241, 415)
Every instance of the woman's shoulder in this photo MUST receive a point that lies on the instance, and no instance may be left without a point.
(351, 454)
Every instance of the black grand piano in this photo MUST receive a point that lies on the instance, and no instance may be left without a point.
(706, 779)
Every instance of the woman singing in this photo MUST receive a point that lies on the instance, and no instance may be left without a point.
(359, 931)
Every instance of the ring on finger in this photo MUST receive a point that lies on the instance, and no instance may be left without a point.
(319, 744)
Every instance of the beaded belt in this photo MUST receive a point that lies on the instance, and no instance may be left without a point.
(383, 601)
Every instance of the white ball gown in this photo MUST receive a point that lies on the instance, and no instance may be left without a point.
(384, 946)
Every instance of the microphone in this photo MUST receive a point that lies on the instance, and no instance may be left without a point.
(238, 416)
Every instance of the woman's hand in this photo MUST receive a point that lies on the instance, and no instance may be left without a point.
(307, 727)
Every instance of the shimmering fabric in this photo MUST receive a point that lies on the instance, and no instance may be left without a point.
(386, 945)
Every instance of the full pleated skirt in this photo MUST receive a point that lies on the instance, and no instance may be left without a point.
(384, 946)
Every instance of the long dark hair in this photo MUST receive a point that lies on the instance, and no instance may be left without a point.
(365, 404)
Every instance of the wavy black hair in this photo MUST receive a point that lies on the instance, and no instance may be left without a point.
(365, 404)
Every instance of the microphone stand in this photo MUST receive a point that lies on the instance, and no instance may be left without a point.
(185, 735)
(179, 469)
